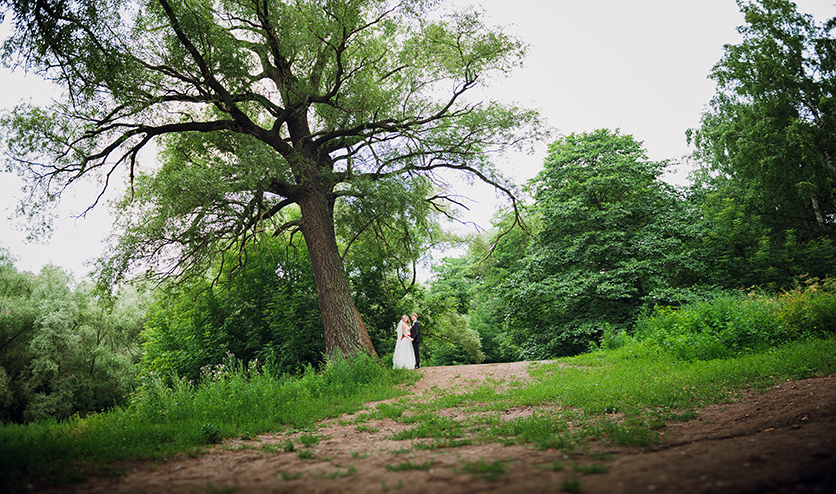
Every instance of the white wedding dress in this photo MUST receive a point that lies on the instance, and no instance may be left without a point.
(404, 357)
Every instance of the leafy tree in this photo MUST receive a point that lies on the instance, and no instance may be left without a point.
(267, 313)
(63, 348)
(741, 249)
(614, 237)
(258, 106)
(771, 128)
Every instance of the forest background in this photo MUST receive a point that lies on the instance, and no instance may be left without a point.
(604, 246)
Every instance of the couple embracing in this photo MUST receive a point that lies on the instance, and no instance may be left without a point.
(406, 349)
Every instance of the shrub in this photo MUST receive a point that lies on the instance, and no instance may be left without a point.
(729, 325)
(736, 323)
(808, 309)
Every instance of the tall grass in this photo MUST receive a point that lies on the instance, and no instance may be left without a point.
(165, 419)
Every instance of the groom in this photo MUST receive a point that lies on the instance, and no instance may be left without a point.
(416, 338)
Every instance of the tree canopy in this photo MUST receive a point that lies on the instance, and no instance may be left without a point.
(259, 106)
(614, 238)
(771, 128)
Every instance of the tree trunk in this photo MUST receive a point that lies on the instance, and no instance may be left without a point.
(817, 210)
(345, 331)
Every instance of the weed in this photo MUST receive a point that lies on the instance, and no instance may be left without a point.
(291, 476)
(554, 466)
(211, 433)
(226, 489)
(484, 469)
(306, 454)
(603, 456)
(309, 440)
(367, 428)
(397, 487)
(408, 465)
(591, 469)
(570, 485)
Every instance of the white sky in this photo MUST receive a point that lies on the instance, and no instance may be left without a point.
(638, 65)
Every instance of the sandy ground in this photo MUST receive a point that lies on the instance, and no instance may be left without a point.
(783, 441)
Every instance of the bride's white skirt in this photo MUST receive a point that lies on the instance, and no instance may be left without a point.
(404, 357)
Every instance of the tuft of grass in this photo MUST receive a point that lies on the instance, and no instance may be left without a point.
(408, 465)
(432, 426)
(306, 454)
(226, 489)
(397, 486)
(483, 469)
(367, 428)
(570, 485)
(554, 466)
(309, 440)
(591, 469)
(291, 476)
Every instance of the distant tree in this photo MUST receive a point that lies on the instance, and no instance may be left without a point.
(770, 130)
(63, 348)
(614, 238)
(258, 106)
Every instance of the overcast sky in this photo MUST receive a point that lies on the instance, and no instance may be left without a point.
(639, 65)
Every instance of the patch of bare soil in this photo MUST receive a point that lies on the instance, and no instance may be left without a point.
(783, 441)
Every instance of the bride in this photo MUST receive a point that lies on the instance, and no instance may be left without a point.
(404, 357)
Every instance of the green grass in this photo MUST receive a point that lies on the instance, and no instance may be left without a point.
(185, 417)
(484, 469)
(408, 465)
(623, 396)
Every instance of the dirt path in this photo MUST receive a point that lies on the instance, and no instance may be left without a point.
(783, 441)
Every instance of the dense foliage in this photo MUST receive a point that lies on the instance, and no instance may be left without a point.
(614, 238)
(64, 349)
(268, 313)
(767, 142)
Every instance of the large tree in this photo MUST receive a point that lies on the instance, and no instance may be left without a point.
(259, 105)
(771, 128)
(614, 238)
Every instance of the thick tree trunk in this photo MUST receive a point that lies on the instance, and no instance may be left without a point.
(345, 331)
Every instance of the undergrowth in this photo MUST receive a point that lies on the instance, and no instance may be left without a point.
(623, 394)
(163, 419)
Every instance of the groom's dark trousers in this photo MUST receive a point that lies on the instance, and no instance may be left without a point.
(416, 341)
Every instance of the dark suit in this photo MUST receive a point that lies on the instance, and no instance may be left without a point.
(416, 340)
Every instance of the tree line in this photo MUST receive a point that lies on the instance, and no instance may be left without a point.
(297, 190)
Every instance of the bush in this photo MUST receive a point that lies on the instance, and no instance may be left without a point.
(736, 323)
(726, 326)
(809, 308)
